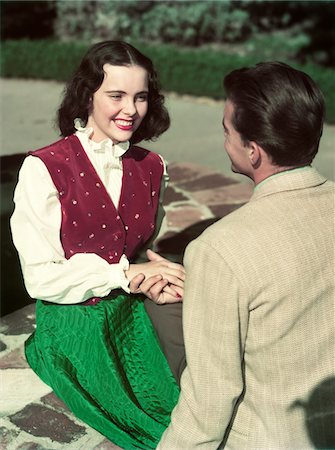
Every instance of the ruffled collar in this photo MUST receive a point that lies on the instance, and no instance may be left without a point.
(108, 145)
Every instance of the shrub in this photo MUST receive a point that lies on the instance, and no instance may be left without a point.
(47, 60)
(186, 23)
(198, 22)
(197, 72)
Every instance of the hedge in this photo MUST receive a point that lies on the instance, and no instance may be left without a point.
(197, 72)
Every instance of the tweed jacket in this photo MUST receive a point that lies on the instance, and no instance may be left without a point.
(258, 317)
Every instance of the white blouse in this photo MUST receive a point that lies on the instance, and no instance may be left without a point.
(36, 224)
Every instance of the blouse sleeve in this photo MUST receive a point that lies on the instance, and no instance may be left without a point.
(35, 225)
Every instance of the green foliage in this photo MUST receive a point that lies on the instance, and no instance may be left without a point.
(276, 45)
(325, 78)
(183, 22)
(191, 23)
(197, 72)
(77, 19)
(308, 24)
(48, 60)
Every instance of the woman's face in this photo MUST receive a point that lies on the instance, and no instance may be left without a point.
(120, 104)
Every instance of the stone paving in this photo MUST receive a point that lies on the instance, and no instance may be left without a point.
(31, 416)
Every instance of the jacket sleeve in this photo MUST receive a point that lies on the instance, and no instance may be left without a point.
(214, 330)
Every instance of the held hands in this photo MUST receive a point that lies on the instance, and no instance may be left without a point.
(159, 279)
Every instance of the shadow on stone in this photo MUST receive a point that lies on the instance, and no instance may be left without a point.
(10, 165)
(175, 244)
(320, 414)
(13, 292)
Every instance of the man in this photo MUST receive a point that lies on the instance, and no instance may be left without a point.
(258, 308)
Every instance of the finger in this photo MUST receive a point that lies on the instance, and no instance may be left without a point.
(167, 298)
(138, 278)
(136, 282)
(171, 264)
(174, 291)
(170, 271)
(153, 256)
(174, 280)
(148, 284)
(154, 291)
(179, 273)
(176, 266)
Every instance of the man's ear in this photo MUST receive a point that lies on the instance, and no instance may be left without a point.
(254, 153)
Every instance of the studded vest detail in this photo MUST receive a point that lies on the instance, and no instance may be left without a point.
(91, 223)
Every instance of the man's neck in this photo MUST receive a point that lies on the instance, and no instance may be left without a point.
(273, 170)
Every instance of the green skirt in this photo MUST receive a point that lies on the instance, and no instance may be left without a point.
(106, 364)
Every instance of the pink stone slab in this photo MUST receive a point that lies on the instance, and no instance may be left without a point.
(181, 218)
(14, 360)
(235, 193)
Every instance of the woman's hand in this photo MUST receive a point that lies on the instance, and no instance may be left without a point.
(157, 289)
(157, 265)
(159, 279)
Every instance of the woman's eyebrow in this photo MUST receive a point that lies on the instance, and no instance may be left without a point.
(116, 91)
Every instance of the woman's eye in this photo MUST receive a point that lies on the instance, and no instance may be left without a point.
(115, 97)
(142, 98)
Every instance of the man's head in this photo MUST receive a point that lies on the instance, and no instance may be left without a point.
(277, 108)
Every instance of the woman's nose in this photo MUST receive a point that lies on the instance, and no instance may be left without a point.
(129, 107)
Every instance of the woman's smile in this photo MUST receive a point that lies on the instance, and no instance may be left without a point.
(124, 124)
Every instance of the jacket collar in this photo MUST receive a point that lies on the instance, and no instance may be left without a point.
(289, 180)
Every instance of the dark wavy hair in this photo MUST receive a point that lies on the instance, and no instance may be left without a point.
(278, 107)
(88, 78)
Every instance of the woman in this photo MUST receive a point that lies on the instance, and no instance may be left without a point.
(84, 207)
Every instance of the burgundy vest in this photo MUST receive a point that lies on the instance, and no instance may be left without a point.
(91, 223)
